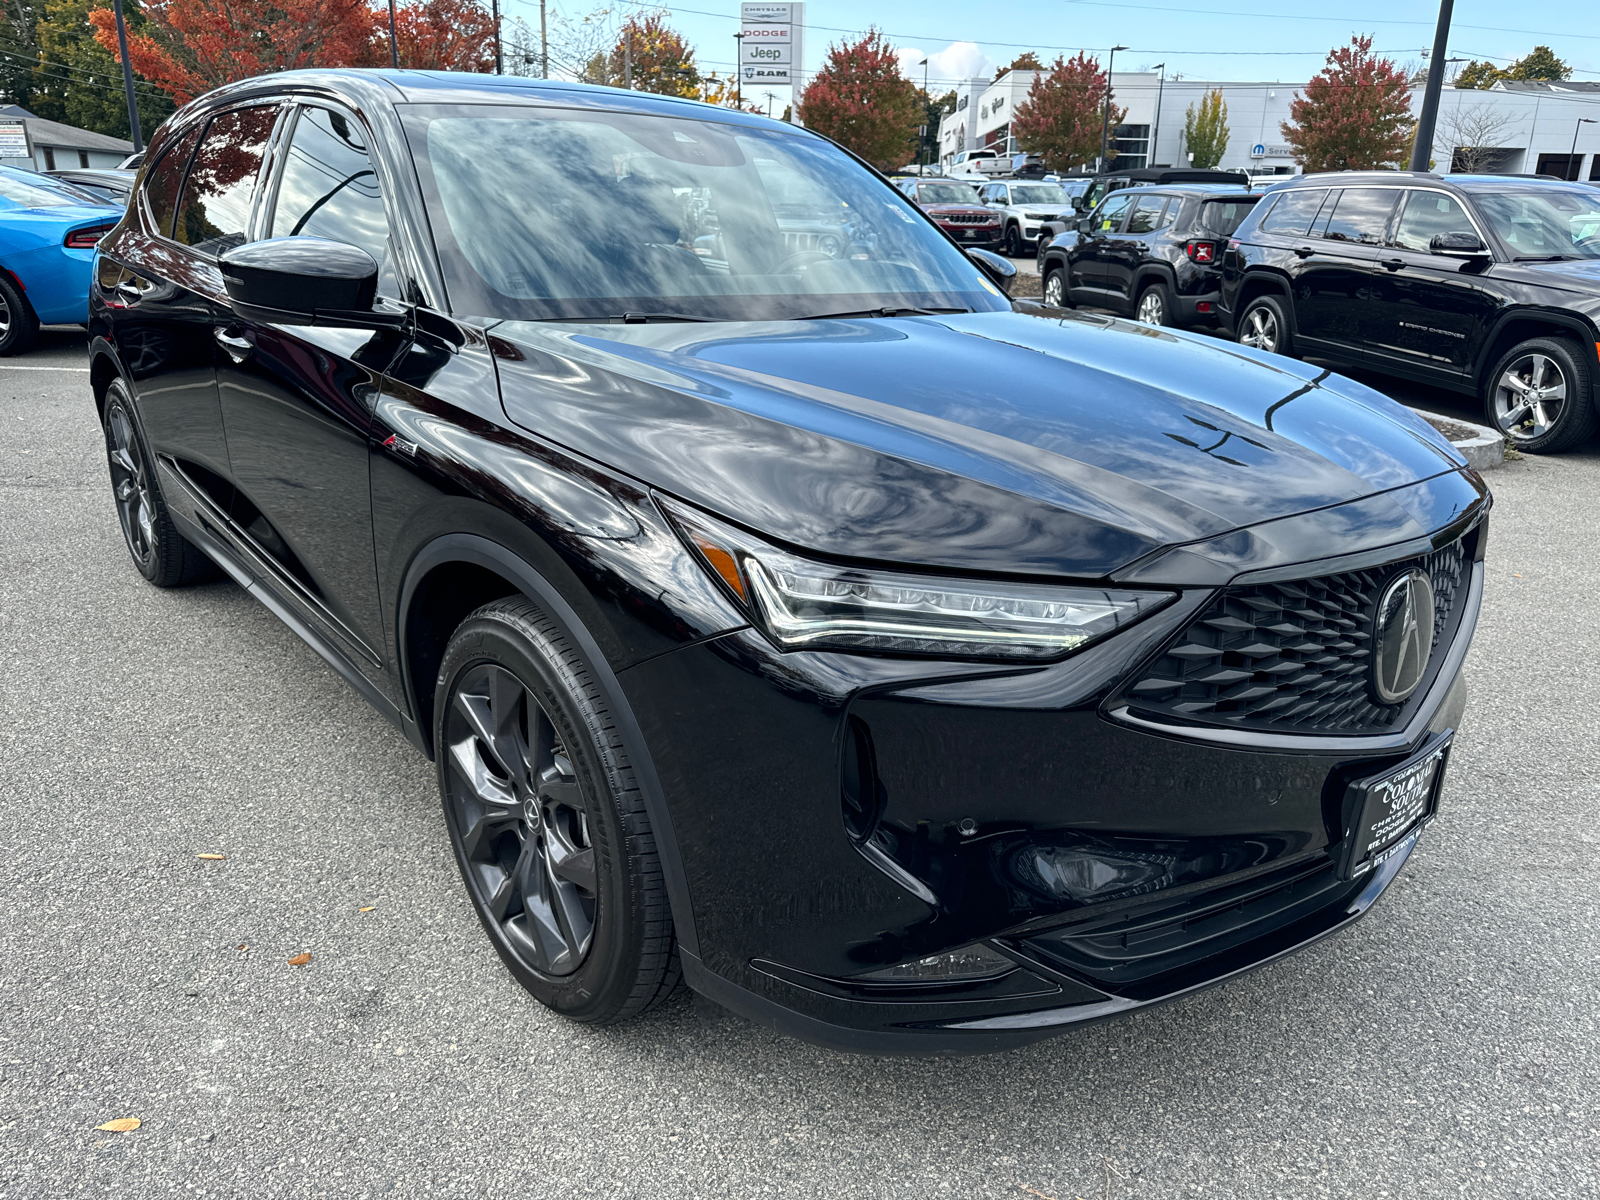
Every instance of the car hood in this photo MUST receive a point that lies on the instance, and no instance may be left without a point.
(1579, 274)
(987, 441)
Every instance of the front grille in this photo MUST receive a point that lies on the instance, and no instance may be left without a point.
(1142, 943)
(1293, 657)
(967, 218)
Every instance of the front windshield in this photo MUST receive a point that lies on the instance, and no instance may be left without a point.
(946, 193)
(1038, 193)
(1553, 224)
(28, 194)
(572, 214)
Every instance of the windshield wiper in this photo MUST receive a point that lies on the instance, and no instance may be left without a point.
(631, 318)
(1544, 257)
(884, 312)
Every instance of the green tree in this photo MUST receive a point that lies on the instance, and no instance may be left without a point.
(1205, 130)
(1027, 61)
(1540, 63)
(95, 100)
(1479, 75)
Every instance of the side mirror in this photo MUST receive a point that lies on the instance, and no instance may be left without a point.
(1458, 245)
(304, 281)
(1085, 226)
(1001, 270)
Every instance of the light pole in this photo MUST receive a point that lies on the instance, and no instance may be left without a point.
(1105, 121)
(1571, 154)
(738, 71)
(1422, 146)
(926, 116)
(494, 14)
(127, 78)
(1155, 128)
(394, 46)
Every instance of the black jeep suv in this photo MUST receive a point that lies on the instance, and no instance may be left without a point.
(1150, 253)
(1483, 284)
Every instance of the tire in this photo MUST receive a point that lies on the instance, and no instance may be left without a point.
(1264, 325)
(19, 327)
(163, 555)
(1014, 246)
(1055, 279)
(1539, 395)
(1154, 306)
(547, 819)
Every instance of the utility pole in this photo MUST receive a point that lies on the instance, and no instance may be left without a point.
(1155, 126)
(494, 12)
(627, 58)
(394, 46)
(544, 45)
(1422, 145)
(1105, 120)
(127, 78)
(738, 71)
(926, 116)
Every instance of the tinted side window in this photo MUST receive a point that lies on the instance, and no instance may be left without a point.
(1222, 217)
(216, 199)
(1293, 213)
(1426, 215)
(1146, 216)
(1361, 215)
(329, 190)
(1109, 218)
(163, 181)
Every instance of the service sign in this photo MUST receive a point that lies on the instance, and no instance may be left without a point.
(14, 139)
(769, 48)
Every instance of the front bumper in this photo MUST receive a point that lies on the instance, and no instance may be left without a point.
(1117, 863)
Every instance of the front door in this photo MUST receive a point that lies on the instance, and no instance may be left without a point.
(1124, 252)
(1086, 261)
(297, 400)
(1339, 278)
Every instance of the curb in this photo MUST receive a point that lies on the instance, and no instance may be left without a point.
(1484, 450)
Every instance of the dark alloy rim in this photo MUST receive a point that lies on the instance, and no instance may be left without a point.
(131, 484)
(1530, 397)
(1013, 242)
(518, 811)
(1260, 329)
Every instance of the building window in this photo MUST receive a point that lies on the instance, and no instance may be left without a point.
(1132, 143)
(1594, 168)
(1562, 166)
(83, 159)
(49, 159)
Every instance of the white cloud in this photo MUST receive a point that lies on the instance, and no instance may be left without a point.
(947, 67)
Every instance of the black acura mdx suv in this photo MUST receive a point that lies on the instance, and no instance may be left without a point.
(896, 667)
(1482, 284)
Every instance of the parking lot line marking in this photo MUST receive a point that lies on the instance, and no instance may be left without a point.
(13, 367)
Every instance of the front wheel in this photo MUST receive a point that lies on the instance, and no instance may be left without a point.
(1538, 395)
(163, 555)
(1264, 325)
(1014, 247)
(547, 819)
(19, 328)
(1055, 288)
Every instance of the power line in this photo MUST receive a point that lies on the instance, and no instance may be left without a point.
(1362, 21)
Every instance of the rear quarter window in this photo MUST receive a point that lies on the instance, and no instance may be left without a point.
(1292, 213)
(164, 181)
(1223, 217)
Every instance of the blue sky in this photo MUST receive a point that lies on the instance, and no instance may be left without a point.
(1210, 39)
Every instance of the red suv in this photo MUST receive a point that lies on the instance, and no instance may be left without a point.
(954, 206)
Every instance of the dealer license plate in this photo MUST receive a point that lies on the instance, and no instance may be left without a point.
(1391, 805)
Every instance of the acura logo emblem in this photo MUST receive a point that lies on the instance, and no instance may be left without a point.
(1402, 637)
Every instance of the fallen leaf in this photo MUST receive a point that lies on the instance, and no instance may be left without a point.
(300, 960)
(212, 857)
(120, 1125)
(244, 945)
(1515, 575)
(368, 908)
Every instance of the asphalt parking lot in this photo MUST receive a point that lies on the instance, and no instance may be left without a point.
(1446, 1046)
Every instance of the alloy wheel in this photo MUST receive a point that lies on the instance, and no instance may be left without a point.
(130, 482)
(1530, 397)
(5, 317)
(1053, 290)
(1260, 329)
(519, 812)
(1151, 310)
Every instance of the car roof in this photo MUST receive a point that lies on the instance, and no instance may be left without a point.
(1466, 183)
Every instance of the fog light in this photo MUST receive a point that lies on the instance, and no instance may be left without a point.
(976, 961)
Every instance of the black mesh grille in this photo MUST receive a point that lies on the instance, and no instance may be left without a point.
(1291, 657)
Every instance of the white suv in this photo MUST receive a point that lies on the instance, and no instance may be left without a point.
(1024, 207)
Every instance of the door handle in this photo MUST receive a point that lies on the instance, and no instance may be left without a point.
(1393, 264)
(1304, 251)
(129, 290)
(238, 348)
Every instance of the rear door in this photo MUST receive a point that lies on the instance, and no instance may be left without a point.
(1434, 310)
(1340, 274)
(297, 400)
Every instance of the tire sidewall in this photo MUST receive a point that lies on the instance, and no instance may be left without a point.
(117, 397)
(1280, 314)
(1577, 421)
(548, 664)
(24, 329)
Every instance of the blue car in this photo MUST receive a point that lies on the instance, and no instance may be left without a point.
(48, 232)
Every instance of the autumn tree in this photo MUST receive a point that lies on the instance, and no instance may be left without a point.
(78, 81)
(1062, 118)
(648, 56)
(1027, 61)
(441, 35)
(1205, 129)
(1354, 115)
(860, 100)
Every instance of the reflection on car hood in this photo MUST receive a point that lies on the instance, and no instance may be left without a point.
(993, 441)
(1582, 274)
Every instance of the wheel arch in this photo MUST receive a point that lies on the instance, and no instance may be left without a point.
(1521, 325)
(1265, 283)
(1154, 273)
(103, 368)
(455, 574)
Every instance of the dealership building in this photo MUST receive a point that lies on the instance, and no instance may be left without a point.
(1512, 128)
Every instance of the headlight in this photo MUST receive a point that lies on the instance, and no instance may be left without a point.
(802, 604)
